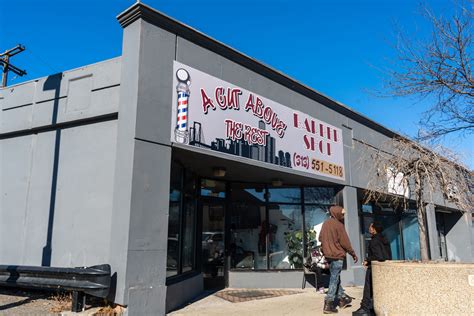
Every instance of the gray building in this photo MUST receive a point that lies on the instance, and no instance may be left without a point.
(187, 166)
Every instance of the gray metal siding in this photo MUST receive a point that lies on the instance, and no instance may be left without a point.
(81, 233)
(67, 170)
(94, 92)
(26, 182)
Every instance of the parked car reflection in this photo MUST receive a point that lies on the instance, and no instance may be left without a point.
(213, 244)
(213, 253)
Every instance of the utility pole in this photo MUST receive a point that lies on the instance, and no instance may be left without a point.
(5, 62)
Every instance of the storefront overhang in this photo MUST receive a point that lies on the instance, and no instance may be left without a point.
(239, 169)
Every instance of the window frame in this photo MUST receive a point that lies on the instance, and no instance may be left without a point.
(180, 275)
(196, 269)
(302, 204)
(398, 213)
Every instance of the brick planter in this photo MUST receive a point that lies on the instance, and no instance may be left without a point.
(402, 288)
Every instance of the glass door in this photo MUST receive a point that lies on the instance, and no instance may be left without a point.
(441, 228)
(213, 234)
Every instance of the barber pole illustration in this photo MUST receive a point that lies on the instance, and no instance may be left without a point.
(181, 130)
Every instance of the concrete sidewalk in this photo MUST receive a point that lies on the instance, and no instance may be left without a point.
(308, 302)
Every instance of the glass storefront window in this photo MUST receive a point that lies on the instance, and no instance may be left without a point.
(213, 240)
(267, 224)
(212, 188)
(173, 237)
(367, 208)
(249, 193)
(319, 195)
(285, 236)
(400, 229)
(189, 221)
(366, 237)
(173, 220)
(391, 231)
(284, 195)
(189, 235)
(247, 232)
(265, 227)
(247, 237)
(411, 237)
(181, 222)
(315, 215)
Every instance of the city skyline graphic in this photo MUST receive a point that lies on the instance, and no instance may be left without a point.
(267, 153)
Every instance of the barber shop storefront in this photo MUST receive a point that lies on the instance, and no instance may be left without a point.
(255, 159)
(188, 166)
(226, 218)
(241, 226)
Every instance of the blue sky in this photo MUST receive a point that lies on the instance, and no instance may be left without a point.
(335, 47)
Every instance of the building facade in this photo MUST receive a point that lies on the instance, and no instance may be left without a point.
(187, 166)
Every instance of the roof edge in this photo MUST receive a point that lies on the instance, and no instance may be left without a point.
(60, 72)
(152, 16)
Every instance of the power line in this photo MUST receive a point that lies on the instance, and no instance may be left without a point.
(5, 62)
(41, 60)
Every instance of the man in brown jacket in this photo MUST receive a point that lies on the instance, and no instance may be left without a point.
(335, 244)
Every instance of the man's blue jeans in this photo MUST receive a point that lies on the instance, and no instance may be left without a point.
(335, 290)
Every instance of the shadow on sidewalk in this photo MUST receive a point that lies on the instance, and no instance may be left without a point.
(15, 304)
(201, 296)
(30, 296)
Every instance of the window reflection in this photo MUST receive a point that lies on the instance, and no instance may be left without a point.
(182, 193)
(315, 215)
(367, 208)
(173, 220)
(400, 229)
(284, 195)
(391, 231)
(285, 235)
(411, 237)
(247, 244)
(319, 195)
(276, 241)
(213, 241)
(188, 235)
(247, 234)
(212, 188)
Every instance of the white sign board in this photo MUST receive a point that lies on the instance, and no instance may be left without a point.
(216, 115)
(397, 184)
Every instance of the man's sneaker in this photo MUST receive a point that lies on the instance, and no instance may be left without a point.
(344, 301)
(329, 307)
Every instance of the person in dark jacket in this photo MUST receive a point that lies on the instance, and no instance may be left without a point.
(335, 245)
(377, 250)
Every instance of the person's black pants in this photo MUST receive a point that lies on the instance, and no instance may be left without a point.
(319, 276)
(366, 302)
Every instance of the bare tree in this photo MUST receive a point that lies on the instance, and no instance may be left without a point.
(405, 170)
(439, 70)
